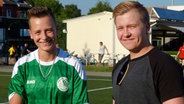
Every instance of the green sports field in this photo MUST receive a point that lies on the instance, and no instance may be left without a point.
(99, 88)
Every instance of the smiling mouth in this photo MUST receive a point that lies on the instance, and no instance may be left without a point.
(48, 42)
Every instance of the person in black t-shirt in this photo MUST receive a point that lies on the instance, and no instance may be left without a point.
(25, 50)
(146, 75)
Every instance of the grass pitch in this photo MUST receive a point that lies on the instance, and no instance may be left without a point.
(99, 89)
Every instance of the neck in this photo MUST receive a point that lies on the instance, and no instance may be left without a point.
(47, 56)
(141, 52)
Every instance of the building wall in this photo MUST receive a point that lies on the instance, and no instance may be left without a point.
(85, 33)
(178, 8)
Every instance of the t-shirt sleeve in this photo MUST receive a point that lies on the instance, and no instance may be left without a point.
(168, 77)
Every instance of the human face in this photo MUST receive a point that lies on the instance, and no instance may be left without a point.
(131, 31)
(43, 32)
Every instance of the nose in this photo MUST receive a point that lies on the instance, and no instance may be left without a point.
(126, 33)
(44, 35)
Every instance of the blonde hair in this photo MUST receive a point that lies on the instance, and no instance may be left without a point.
(125, 7)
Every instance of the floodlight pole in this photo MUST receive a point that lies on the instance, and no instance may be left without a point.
(113, 41)
(172, 2)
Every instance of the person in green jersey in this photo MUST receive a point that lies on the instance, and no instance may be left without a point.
(47, 75)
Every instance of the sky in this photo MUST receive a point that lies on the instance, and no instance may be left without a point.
(85, 5)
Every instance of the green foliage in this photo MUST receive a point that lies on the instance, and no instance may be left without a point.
(72, 11)
(55, 5)
(61, 37)
(100, 7)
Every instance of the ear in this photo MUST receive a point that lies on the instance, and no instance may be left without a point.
(30, 33)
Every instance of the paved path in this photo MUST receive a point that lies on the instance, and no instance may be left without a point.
(6, 68)
(108, 74)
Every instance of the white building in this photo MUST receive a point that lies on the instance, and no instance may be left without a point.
(84, 34)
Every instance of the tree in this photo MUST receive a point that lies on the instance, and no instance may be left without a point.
(100, 7)
(55, 5)
(72, 11)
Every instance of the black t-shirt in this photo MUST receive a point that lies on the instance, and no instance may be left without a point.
(24, 51)
(150, 79)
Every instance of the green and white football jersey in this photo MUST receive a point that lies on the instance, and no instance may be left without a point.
(66, 83)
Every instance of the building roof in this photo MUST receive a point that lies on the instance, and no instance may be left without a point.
(169, 14)
(10, 2)
(24, 5)
(19, 4)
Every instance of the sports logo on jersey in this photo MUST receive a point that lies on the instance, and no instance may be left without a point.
(62, 84)
(30, 81)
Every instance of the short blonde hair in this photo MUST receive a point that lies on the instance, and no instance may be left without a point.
(124, 7)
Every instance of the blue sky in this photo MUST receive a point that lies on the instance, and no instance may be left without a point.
(85, 5)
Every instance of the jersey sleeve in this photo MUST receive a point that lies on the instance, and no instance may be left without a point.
(80, 95)
(16, 84)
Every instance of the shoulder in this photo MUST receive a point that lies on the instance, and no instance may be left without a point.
(72, 62)
(167, 74)
(28, 57)
(156, 55)
(23, 60)
(161, 61)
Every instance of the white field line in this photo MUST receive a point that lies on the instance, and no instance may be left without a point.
(98, 89)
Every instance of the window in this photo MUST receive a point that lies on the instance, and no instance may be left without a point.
(1, 34)
(22, 14)
(8, 13)
(24, 32)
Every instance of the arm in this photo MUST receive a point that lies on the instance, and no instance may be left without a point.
(177, 55)
(107, 50)
(177, 100)
(16, 99)
(28, 51)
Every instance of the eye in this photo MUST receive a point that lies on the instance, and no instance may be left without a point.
(37, 33)
(119, 28)
(132, 26)
(49, 31)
